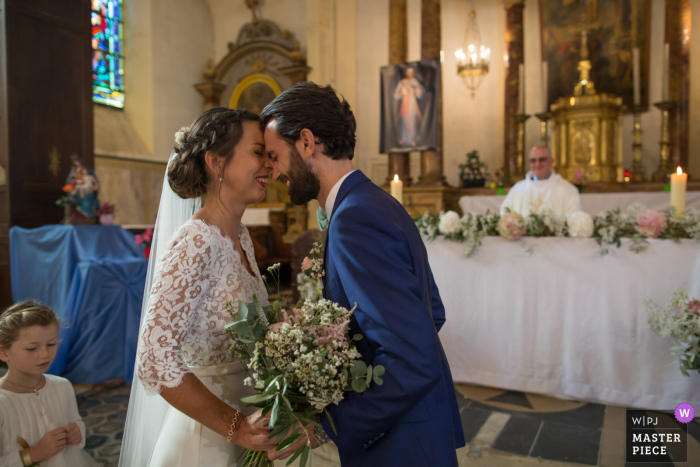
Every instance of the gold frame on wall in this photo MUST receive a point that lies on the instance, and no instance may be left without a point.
(251, 79)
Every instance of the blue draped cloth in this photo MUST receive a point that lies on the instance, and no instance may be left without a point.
(93, 277)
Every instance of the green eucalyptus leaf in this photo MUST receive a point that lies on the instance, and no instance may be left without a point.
(357, 337)
(368, 379)
(304, 456)
(242, 310)
(255, 398)
(378, 381)
(274, 413)
(379, 370)
(358, 369)
(288, 441)
(294, 457)
(330, 420)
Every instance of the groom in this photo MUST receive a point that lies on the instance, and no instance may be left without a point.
(376, 258)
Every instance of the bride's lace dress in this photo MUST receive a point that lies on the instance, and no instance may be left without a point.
(183, 332)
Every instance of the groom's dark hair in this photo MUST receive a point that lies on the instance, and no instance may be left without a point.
(317, 108)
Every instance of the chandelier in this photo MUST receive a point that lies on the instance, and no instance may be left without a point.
(473, 64)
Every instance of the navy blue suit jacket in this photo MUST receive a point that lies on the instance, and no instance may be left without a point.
(376, 258)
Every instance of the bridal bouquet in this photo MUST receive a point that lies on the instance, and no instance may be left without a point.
(680, 320)
(300, 359)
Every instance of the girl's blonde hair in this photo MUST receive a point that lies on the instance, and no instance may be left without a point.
(22, 315)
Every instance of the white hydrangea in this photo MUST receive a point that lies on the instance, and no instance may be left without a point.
(450, 223)
(580, 224)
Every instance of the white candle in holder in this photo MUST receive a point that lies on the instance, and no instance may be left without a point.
(545, 86)
(678, 184)
(397, 189)
(521, 89)
(635, 76)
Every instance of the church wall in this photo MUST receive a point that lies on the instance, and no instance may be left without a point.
(167, 45)
(230, 15)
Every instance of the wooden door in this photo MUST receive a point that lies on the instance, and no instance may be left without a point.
(48, 80)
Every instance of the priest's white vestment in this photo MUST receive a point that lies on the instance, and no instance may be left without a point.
(532, 196)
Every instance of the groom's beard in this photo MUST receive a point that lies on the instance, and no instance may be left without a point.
(304, 185)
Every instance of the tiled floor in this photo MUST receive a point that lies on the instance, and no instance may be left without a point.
(502, 428)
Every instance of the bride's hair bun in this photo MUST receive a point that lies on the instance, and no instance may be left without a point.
(217, 130)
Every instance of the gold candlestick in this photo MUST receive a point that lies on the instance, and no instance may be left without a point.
(665, 159)
(544, 119)
(520, 119)
(638, 172)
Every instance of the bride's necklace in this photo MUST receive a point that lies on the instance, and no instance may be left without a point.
(34, 388)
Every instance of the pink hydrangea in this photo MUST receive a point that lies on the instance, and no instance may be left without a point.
(512, 226)
(651, 223)
(307, 264)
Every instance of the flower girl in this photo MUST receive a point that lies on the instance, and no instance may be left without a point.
(39, 420)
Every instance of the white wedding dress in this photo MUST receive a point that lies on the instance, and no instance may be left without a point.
(198, 271)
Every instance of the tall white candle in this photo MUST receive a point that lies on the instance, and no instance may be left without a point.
(664, 88)
(635, 76)
(545, 86)
(397, 188)
(521, 89)
(678, 183)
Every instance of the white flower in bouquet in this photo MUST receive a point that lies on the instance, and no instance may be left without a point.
(450, 223)
(580, 224)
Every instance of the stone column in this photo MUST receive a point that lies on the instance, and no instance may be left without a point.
(677, 35)
(516, 55)
(398, 51)
(431, 161)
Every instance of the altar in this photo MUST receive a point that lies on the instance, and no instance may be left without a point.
(554, 316)
(592, 203)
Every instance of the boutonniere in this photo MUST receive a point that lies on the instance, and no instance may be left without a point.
(312, 265)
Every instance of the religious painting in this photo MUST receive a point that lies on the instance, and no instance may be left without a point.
(254, 92)
(409, 107)
(614, 27)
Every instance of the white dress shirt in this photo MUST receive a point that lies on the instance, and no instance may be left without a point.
(330, 201)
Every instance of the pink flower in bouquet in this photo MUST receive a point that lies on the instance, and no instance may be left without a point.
(694, 306)
(512, 226)
(651, 223)
(307, 263)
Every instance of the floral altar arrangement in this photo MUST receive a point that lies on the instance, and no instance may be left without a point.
(301, 359)
(680, 320)
(145, 239)
(80, 201)
(106, 213)
(473, 173)
(637, 223)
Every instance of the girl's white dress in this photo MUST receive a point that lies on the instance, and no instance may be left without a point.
(32, 415)
(183, 332)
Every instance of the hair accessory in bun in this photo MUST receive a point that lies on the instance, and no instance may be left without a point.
(180, 135)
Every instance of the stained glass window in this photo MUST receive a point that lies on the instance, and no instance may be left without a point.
(107, 59)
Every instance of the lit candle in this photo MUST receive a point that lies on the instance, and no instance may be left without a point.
(521, 89)
(545, 86)
(397, 189)
(678, 182)
(635, 76)
(664, 85)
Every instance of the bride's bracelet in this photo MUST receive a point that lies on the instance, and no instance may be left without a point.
(233, 427)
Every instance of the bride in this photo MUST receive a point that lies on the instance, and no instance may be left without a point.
(201, 258)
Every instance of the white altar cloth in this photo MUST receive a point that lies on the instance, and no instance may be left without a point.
(592, 203)
(565, 320)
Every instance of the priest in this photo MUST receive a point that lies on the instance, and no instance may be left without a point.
(542, 189)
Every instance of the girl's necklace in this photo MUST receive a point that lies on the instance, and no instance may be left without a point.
(23, 386)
